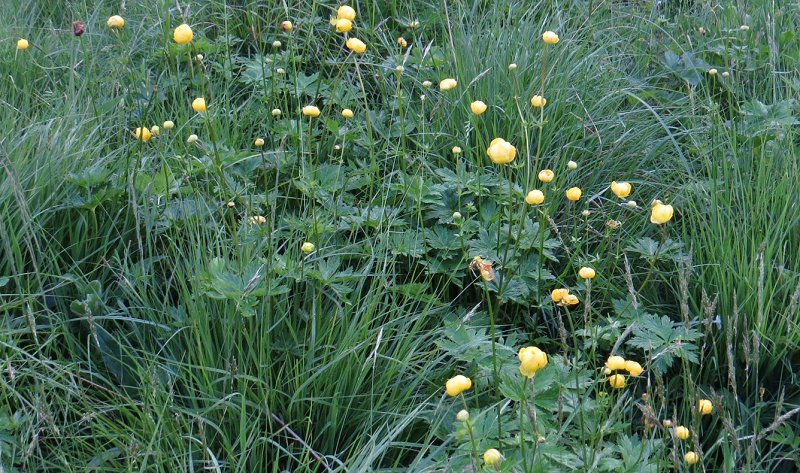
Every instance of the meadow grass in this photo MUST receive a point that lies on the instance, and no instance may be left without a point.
(160, 311)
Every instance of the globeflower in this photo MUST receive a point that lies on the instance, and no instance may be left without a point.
(456, 150)
(569, 300)
(155, 130)
(534, 197)
(501, 151)
(705, 407)
(477, 107)
(308, 247)
(143, 134)
(615, 363)
(457, 385)
(538, 101)
(492, 457)
(192, 139)
(572, 165)
(633, 368)
(550, 38)
(463, 415)
(343, 25)
(347, 113)
(402, 42)
(621, 189)
(559, 294)
(690, 458)
(356, 45)
(574, 194)
(276, 112)
(259, 142)
(660, 213)
(682, 432)
(586, 272)
(546, 175)
(168, 125)
(311, 111)
(183, 34)
(346, 12)
(484, 267)
(22, 44)
(616, 381)
(115, 22)
(287, 26)
(447, 84)
(199, 105)
(531, 360)
(258, 220)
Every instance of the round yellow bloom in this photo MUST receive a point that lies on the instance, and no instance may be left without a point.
(343, 25)
(667, 423)
(356, 45)
(456, 150)
(276, 112)
(311, 111)
(615, 363)
(115, 22)
(142, 133)
(570, 300)
(546, 175)
(276, 44)
(538, 101)
(512, 67)
(155, 130)
(633, 368)
(477, 107)
(258, 220)
(574, 194)
(744, 28)
(346, 12)
(690, 458)
(287, 26)
(168, 125)
(22, 44)
(308, 247)
(586, 273)
(447, 84)
(183, 34)
(456, 215)
(402, 42)
(616, 381)
(606, 371)
(534, 197)
(559, 294)
(259, 142)
(712, 72)
(704, 406)
(457, 385)
(427, 84)
(192, 139)
(199, 105)
(492, 457)
(550, 38)
(660, 213)
(531, 360)
(621, 189)
(572, 165)
(347, 113)
(501, 151)
(682, 432)
(463, 415)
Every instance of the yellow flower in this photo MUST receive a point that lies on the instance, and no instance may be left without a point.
(586, 273)
(704, 406)
(572, 165)
(538, 101)
(168, 125)
(501, 151)
(546, 175)
(287, 26)
(534, 197)
(402, 42)
(667, 423)
(456, 215)
(447, 84)
(115, 22)
(463, 415)
(259, 142)
(531, 360)
(606, 371)
(660, 213)
(633, 368)
(311, 111)
(155, 130)
(682, 432)
(142, 133)
(22, 44)
(621, 189)
(347, 113)
(492, 457)
(356, 45)
(199, 105)
(550, 38)
(258, 220)
(183, 34)
(574, 194)
(512, 67)
(457, 385)
(690, 458)
(456, 150)
(484, 267)
(477, 107)
(343, 25)
(192, 139)
(427, 84)
(617, 381)
(346, 12)
(276, 44)
(308, 247)
(276, 112)
(712, 72)
(559, 294)
(569, 300)
(615, 363)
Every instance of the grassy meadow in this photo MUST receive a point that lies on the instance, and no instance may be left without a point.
(383, 236)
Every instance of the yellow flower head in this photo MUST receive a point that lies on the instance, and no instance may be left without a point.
(501, 151)
(347, 113)
(143, 134)
(346, 12)
(574, 194)
(682, 432)
(712, 72)
(457, 385)
(586, 272)
(615, 363)
(258, 220)
(447, 84)
(276, 112)
(402, 42)
(550, 38)
(155, 130)
(311, 111)
(168, 125)
(259, 142)
(569, 300)
(477, 107)
(356, 45)
(492, 457)
(621, 189)
(616, 381)
(183, 34)
(463, 415)
(660, 213)
(559, 294)
(343, 25)
(22, 44)
(546, 175)
(287, 26)
(534, 197)
(199, 105)
(705, 407)
(308, 247)
(633, 368)
(192, 138)
(456, 150)
(115, 22)
(691, 458)
(572, 165)
(531, 360)
(484, 267)
(538, 101)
